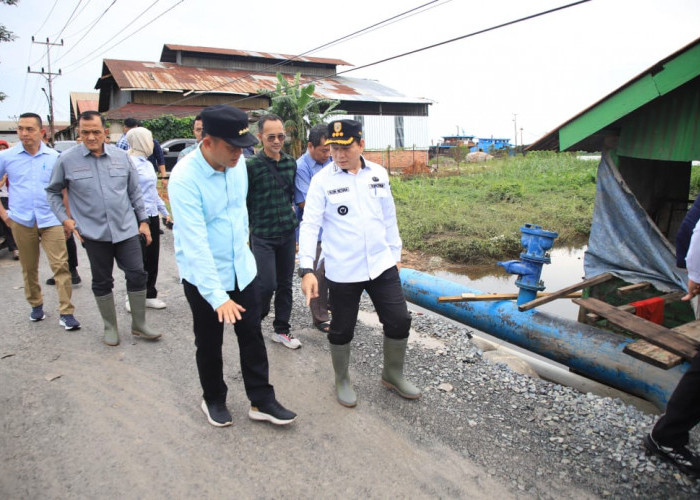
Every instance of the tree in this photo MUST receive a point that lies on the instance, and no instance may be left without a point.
(299, 110)
(170, 127)
(6, 36)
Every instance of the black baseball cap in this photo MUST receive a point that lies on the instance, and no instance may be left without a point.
(343, 132)
(228, 123)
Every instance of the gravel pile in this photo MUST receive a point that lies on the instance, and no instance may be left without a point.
(541, 438)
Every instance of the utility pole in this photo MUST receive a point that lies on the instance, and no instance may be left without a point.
(521, 137)
(515, 129)
(49, 78)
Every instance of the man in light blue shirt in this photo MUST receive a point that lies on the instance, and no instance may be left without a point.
(317, 156)
(28, 166)
(207, 191)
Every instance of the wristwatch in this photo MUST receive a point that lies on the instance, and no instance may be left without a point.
(304, 271)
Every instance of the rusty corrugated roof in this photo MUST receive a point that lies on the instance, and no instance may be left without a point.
(247, 53)
(169, 77)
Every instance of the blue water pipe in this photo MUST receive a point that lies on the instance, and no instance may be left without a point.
(536, 244)
(586, 349)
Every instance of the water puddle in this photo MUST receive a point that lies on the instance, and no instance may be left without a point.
(566, 269)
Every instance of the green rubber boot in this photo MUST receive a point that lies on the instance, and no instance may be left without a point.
(392, 375)
(340, 354)
(139, 328)
(105, 304)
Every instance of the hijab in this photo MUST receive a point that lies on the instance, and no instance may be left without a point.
(140, 142)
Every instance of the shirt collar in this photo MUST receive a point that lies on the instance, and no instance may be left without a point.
(338, 170)
(43, 149)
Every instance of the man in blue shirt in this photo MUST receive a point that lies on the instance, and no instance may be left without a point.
(317, 156)
(28, 166)
(208, 190)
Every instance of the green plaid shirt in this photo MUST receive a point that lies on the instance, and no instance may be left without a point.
(269, 205)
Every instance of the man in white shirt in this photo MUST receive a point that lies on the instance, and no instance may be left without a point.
(350, 199)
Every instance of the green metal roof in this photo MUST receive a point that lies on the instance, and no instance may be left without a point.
(655, 114)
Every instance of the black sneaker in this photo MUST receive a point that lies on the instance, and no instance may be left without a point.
(51, 281)
(217, 413)
(272, 412)
(75, 278)
(686, 461)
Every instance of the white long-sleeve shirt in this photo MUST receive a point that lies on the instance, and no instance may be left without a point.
(357, 213)
(692, 260)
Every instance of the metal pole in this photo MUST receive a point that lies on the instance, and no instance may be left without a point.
(515, 128)
(49, 77)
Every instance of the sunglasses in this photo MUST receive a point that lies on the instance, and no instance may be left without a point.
(279, 137)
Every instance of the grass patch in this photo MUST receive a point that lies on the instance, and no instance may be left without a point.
(475, 215)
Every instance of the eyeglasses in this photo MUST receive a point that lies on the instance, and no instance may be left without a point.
(279, 137)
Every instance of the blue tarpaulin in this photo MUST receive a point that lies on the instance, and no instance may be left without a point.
(624, 240)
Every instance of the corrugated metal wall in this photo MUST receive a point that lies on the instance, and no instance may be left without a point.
(666, 129)
(380, 131)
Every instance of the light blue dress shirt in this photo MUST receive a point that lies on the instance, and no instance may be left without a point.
(211, 227)
(307, 167)
(28, 176)
(148, 181)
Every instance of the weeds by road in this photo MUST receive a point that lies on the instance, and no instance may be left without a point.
(473, 215)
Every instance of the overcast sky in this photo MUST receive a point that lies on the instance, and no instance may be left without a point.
(544, 70)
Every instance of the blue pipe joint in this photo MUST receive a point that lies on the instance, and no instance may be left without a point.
(536, 243)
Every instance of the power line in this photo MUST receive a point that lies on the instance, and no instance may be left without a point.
(47, 17)
(289, 61)
(87, 32)
(486, 30)
(80, 62)
(68, 21)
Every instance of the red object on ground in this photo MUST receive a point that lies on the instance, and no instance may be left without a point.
(650, 309)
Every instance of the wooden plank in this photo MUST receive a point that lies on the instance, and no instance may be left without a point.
(633, 288)
(690, 330)
(669, 297)
(473, 297)
(572, 288)
(656, 334)
(649, 353)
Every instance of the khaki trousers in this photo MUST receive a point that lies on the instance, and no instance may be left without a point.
(53, 241)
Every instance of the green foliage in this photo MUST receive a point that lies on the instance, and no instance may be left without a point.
(299, 110)
(170, 127)
(694, 182)
(475, 217)
(6, 36)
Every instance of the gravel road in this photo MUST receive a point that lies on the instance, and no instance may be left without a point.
(84, 420)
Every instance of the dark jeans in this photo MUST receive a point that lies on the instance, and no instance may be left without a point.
(387, 297)
(127, 253)
(6, 231)
(275, 260)
(209, 338)
(151, 256)
(682, 410)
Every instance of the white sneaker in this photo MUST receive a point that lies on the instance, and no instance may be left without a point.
(127, 305)
(287, 340)
(155, 304)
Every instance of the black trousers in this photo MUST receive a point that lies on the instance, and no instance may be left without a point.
(72, 254)
(129, 257)
(387, 297)
(6, 231)
(151, 256)
(275, 260)
(209, 338)
(682, 410)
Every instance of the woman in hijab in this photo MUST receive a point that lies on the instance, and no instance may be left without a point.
(140, 148)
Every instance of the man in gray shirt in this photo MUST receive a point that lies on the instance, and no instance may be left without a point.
(104, 193)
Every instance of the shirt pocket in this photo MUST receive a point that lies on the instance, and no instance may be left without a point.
(84, 175)
(378, 189)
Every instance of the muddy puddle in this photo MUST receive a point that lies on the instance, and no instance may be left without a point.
(566, 269)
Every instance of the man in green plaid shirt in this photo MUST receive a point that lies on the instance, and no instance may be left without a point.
(273, 223)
